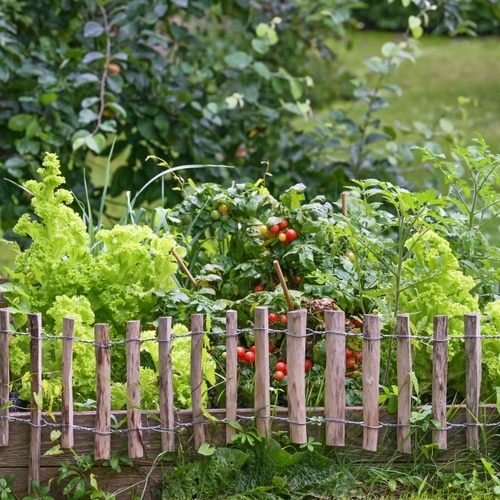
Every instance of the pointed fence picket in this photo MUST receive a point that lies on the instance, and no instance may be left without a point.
(338, 420)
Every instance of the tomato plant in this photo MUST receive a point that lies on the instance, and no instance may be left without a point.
(241, 351)
(273, 317)
(350, 363)
(250, 357)
(281, 367)
(215, 215)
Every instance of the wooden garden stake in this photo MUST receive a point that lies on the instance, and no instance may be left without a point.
(197, 379)
(335, 378)
(283, 285)
(344, 203)
(185, 269)
(440, 380)
(231, 373)
(35, 329)
(4, 376)
(371, 377)
(134, 420)
(166, 383)
(473, 356)
(404, 367)
(67, 439)
(102, 441)
(262, 385)
(296, 387)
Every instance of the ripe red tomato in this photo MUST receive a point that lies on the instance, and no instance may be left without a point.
(291, 234)
(358, 356)
(273, 317)
(357, 323)
(271, 347)
(308, 365)
(259, 288)
(252, 349)
(274, 229)
(250, 357)
(350, 363)
(283, 224)
(297, 280)
(282, 237)
(348, 353)
(281, 367)
(240, 351)
(279, 376)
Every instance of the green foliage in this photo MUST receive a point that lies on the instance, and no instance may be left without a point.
(60, 275)
(261, 471)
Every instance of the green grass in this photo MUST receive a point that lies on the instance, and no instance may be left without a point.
(449, 68)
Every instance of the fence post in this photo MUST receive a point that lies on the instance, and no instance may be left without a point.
(35, 329)
(67, 438)
(440, 380)
(262, 398)
(296, 355)
(473, 354)
(335, 378)
(197, 378)
(371, 376)
(134, 420)
(165, 383)
(102, 442)
(404, 367)
(231, 373)
(4, 376)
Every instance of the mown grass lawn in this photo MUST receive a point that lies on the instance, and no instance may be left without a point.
(447, 69)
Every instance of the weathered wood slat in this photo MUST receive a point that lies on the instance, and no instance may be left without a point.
(440, 379)
(165, 382)
(4, 376)
(197, 378)
(231, 373)
(371, 376)
(335, 377)
(103, 397)
(262, 398)
(67, 438)
(296, 387)
(473, 356)
(404, 367)
(35, 329)
(133, 335)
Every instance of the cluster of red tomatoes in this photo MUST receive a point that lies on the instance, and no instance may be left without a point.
(282, 371)
(280, 230)
(352, 358)
(249, 356)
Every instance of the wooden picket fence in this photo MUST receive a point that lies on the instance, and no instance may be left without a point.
(368, 432)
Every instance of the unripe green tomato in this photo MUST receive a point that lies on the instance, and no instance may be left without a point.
(224, 217)
(215, 215)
